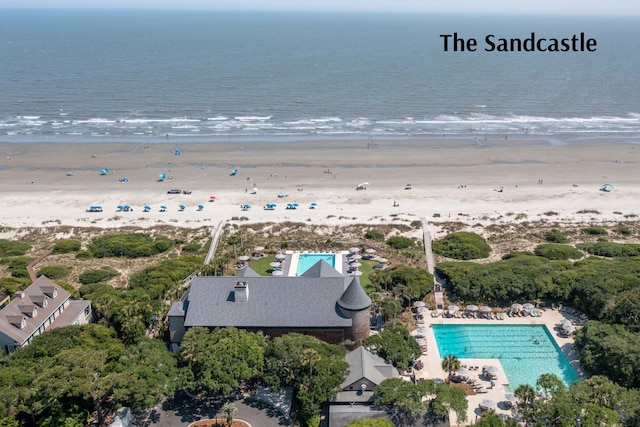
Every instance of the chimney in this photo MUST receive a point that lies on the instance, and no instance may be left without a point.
(19, 295)
(241, 292)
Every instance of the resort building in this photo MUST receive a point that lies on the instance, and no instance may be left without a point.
(321, 302)
(42, 306)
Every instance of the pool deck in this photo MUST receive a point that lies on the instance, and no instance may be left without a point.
(432, 360)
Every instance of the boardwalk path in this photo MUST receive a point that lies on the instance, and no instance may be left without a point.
(431, 264)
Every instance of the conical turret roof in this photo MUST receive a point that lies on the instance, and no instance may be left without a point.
(354, 297)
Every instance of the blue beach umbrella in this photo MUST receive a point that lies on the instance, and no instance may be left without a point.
(162, 176)
(234, 172)
(246, 206)
(182, 207)
(127, 207)
(147, 208)
(295, 205)
(163, 208)
(314, 204)
(104, 171)
(200, 207)
(119, 207)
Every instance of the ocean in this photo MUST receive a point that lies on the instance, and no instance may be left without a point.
(231, 76)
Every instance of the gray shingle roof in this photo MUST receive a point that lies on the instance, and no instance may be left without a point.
(247, 272)
(302, 302)
(17, 307)
(321, 269)
(354, 297)
(364, 364)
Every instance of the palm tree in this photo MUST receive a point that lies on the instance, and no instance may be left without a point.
(309, 357)
(526, 396)
(450, 364)
(230, 411)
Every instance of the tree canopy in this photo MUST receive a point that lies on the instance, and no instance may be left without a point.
(462, 245)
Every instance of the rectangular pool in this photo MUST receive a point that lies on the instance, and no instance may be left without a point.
(306, 261)
(525, 351)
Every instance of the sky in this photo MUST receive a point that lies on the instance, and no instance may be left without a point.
(596, 7)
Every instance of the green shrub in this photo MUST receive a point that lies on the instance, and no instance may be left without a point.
(556, 251)
(595, 231)
(462, 245)
(163, 276)
(555, 236)
(10, 285)
(374, 235)
(54, 272)
(65, 246)
(18, 266)
(13, 248)
(399, 242)
(623, 230)
(96, 276)
(611, 249)
(84, 255)
(191, 247)
(134, 245)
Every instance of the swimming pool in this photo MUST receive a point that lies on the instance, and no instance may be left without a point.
(525, 351)
(306, 261)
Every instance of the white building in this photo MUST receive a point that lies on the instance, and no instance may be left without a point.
(42, 306)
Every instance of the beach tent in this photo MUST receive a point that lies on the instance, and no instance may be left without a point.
(95, 208)
(282, 194)
(234, 172)
(606, 188)
(124, 180)
(104, 171)
(200, 207)
(147, 208)
(162, 177)
(362, 186)
(178, 152)
(182, 207)
(246, 207)
(254, 190)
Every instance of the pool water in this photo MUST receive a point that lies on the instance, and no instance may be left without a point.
(525, 351)
(306, 261)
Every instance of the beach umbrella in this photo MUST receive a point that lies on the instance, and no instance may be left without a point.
(162, 176)
(419, 303)
(463, 371)
(243, 258)
(492, 369)
(565, 322)
(356, 257)
(258, 248)
(211, 198)
(124, 180)
(127, 207)
(246, 207)
(182, 207)
(234, 172)
(569, 327)
(295, 205)
(370, 251)
(528, 306)
(453, 308)
(382, 260)
(119, 207)
(422, 331)
(421, 341)
(422, 310)
(314, 204)
(280, 256)
(485, 309)
(488, 403)
(277, 273)
(104, 171)
(200, 207)
(355, 264)
(472, 307)
(357, 273)
(163, 207)
(517, 306)
(354, 250)
(510, 397)
(97, 207)
(275, 264)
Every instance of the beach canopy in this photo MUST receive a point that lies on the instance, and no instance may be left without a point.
(282, 194)
(163, 207)
(453, 308)
(104, 171)
(234, 172)
(258, 248)
(275, 264)
(162, 176)
(492, 369)
(280, 256)
(419, 303)
(178, 152)
(606, 187)
(200, 207)
(472, 307)
(182, 207)
(246, 206)
(485, 309)
(124, 180)
(127, 207)
(528, 306)
(314, 204)
(147, 208)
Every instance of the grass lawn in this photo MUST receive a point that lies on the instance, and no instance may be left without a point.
(261, 266)
(367, 268)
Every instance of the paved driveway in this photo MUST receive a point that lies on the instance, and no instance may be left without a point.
(183, 410)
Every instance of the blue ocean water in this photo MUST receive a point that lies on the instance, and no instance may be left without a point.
(218, 76)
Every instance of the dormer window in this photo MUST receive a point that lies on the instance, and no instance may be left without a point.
(23, 323)
(18, 321)
(29, 310)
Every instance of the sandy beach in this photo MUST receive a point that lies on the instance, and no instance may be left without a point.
(466, 179)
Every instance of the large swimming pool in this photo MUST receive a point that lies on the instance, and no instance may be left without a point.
(525, 351)
(305, 261)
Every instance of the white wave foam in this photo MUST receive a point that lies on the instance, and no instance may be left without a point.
(252, 118)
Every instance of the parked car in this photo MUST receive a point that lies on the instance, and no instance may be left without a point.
(186, 191)
(174, 191)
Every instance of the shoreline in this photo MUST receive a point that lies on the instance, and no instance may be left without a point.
(449, 177)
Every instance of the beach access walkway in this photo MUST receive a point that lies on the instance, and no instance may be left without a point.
(216, 234)
(431, 264)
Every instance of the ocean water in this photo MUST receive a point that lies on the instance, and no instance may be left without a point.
(227, 76)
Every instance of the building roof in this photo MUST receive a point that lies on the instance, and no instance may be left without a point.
(364, 364)
(293, 302)
(39, 296)
(247, 272)
(354, 297)
(321, 269)
(71, 313)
